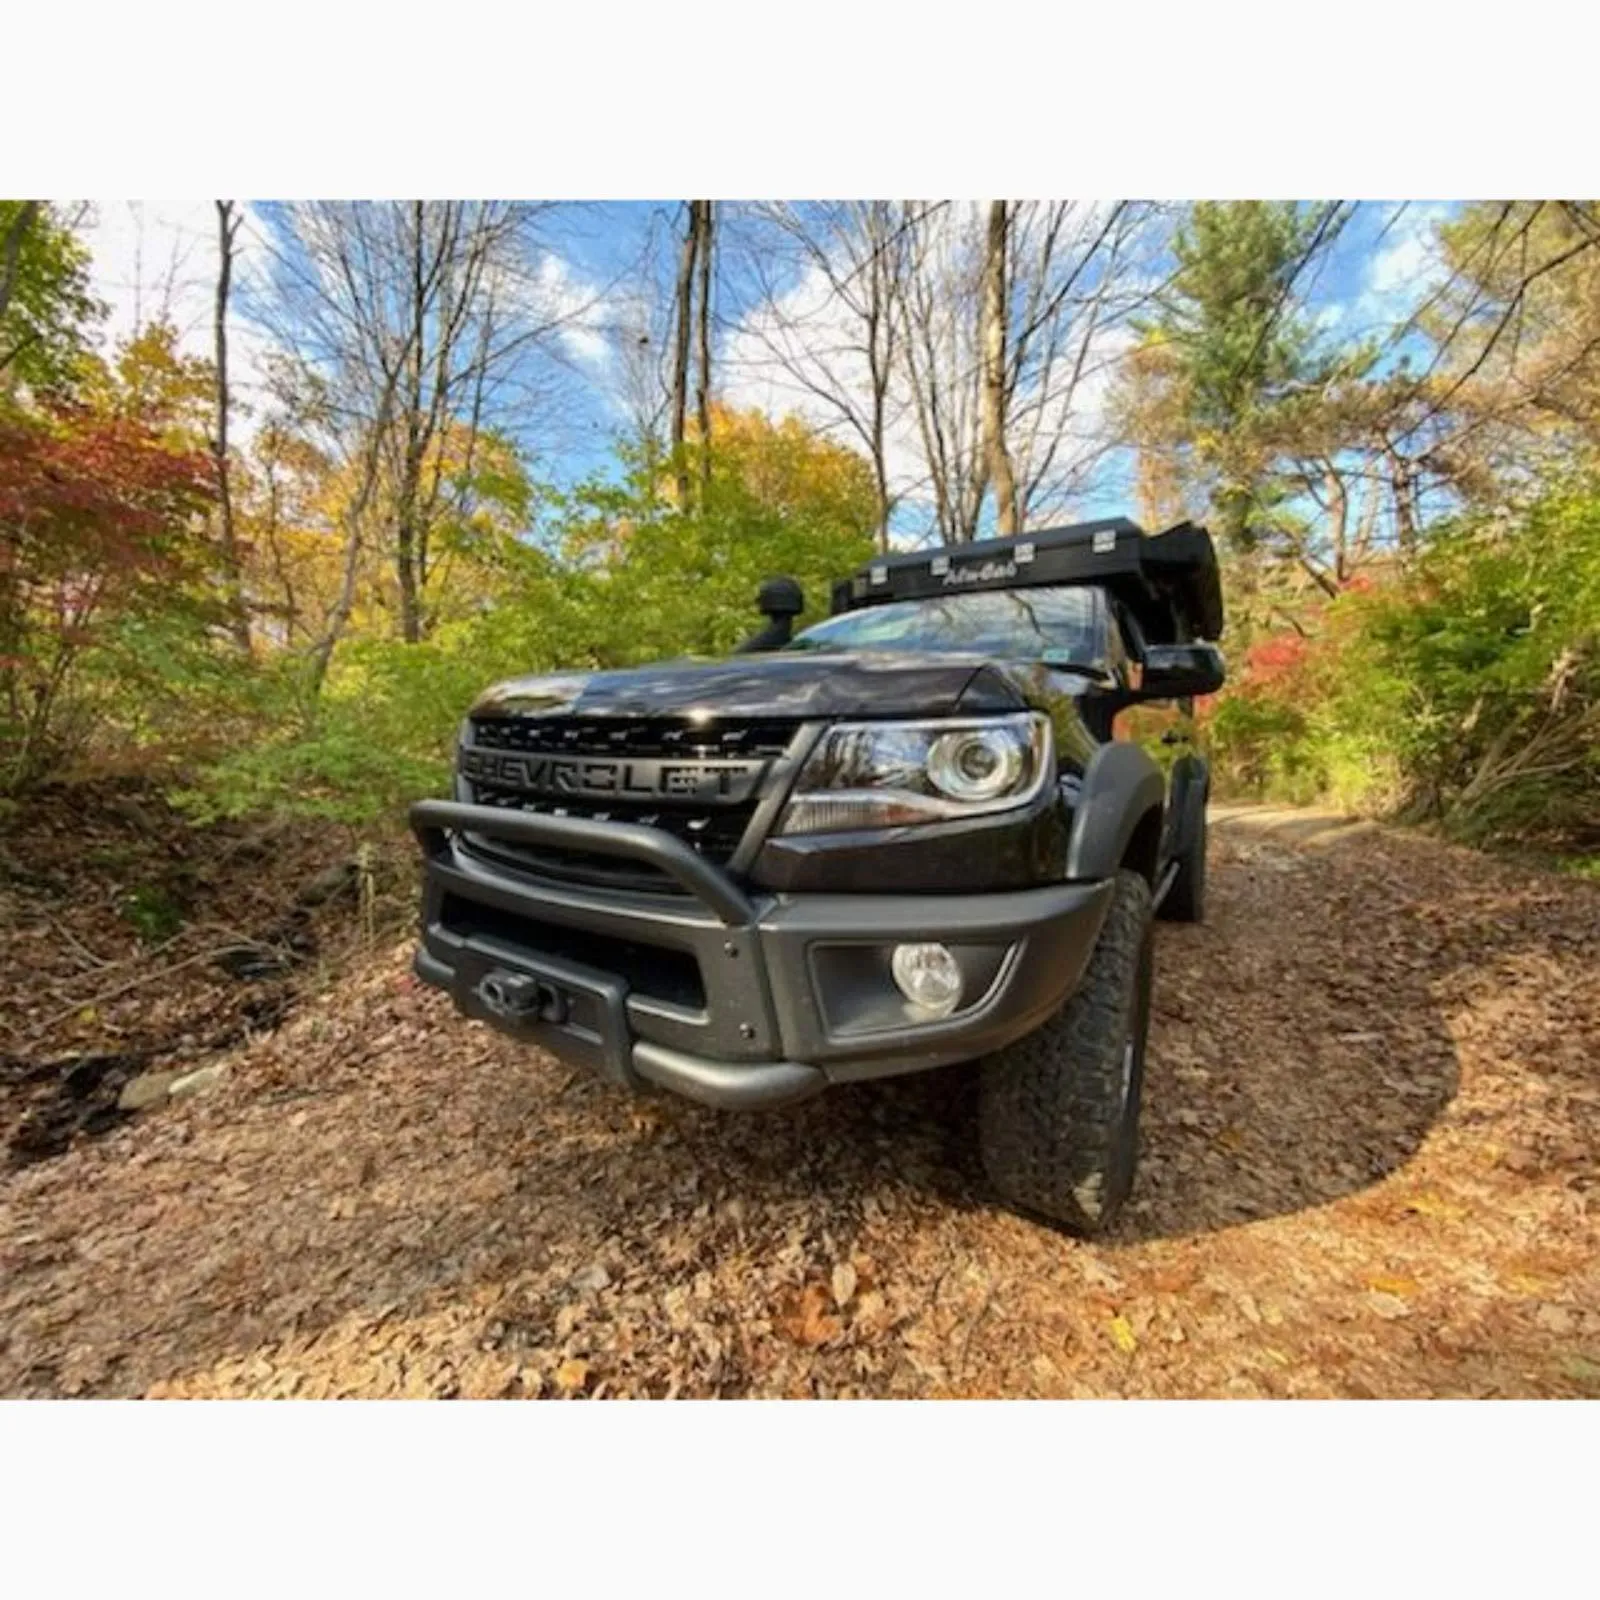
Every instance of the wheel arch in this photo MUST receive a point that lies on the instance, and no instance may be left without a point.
(1119, 815)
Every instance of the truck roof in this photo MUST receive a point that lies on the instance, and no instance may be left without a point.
(1168, 580)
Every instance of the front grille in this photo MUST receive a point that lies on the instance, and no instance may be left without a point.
(712, 827)
(663, 737)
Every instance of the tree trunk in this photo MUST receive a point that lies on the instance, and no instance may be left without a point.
(1403, 486)
(703, 393)
(411, 461)
(1338, 522)
(993, 344)
(238, 617)
(680, 353)
(354, 515)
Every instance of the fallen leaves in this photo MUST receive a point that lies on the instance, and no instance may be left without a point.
(844, 1284)
(1403, 1287)
(385, 1200)
(809, 1321)
(572, 1375)
(1386, 1305)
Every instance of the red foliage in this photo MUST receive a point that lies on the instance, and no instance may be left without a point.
(97, 518)
(85, 495)
(1274, 659)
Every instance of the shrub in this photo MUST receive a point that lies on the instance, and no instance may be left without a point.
(1464, 693)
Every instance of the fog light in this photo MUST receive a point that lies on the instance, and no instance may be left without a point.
(928, 977)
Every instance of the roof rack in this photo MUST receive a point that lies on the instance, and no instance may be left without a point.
(1168, 580)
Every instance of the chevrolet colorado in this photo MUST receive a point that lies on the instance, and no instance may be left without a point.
(903, 838)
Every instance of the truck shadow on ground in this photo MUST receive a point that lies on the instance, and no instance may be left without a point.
(1298, 1054)
(1304, 1041)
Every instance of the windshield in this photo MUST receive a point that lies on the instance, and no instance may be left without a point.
(1060, 624)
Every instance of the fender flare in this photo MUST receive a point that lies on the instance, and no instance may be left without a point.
(1121, 786)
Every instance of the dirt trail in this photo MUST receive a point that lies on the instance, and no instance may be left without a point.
(1373, 1114)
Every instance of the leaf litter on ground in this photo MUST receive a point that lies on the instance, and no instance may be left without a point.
(1399, 1038)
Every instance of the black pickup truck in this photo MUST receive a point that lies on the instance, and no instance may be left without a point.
(903, 838)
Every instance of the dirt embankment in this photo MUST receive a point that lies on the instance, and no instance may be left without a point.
(1372, 1122)
(134, 947)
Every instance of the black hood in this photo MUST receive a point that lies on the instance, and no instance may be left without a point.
(799, 684)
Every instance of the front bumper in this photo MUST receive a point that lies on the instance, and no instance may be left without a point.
(731, 999)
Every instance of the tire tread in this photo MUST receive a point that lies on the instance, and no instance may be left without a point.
(1051, 1124)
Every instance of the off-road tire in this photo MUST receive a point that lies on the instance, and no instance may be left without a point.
(1058, 1111)
(1185, 901)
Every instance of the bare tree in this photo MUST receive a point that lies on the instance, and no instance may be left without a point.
(228, 224)
(837, 338)
(1006, 318)
(936, 304)
(407, 318)
(1079, 272)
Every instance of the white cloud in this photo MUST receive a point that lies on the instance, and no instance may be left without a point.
(584, 313)
(805, 339)
(1405, 265)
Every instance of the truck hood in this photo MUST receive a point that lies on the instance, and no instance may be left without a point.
(799, 684)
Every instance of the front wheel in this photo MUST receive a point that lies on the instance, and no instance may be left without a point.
(1058, 1111)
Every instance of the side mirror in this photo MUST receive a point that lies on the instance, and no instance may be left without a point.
(780, 602)
(1179, 671)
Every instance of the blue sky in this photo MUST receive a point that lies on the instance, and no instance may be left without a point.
(158, 258)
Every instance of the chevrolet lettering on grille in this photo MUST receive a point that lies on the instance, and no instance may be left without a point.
(727, 782)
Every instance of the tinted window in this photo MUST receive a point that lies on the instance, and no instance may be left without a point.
(1044, 624)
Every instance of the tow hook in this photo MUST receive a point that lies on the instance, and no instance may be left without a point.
(517, 997)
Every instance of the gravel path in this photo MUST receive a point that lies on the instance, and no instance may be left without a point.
(1373, 1112)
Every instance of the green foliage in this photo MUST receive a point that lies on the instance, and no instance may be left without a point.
(43, 324)
(1258, 745)
(637, 580)
(1231, 311)
(1465, 693)
(152, 913)
(1493, 651)
(683, 581)
(1229, 353)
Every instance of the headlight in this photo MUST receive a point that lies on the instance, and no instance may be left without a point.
(976, 764)
(888, 774)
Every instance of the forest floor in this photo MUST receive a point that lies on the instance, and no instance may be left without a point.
(1372, 1124)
